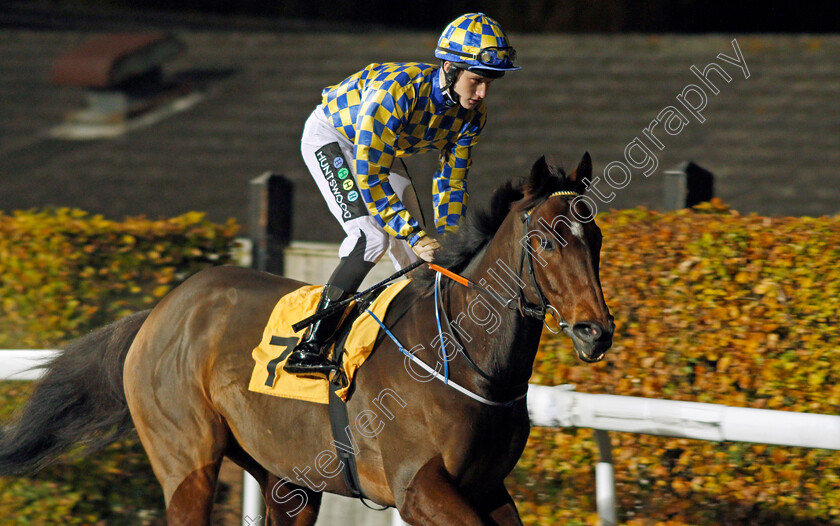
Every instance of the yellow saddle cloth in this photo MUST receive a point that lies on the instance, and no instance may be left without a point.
(278, 341)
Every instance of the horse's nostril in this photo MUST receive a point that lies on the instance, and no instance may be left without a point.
(588, 331)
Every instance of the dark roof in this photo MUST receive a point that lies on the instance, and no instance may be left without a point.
(772, 140)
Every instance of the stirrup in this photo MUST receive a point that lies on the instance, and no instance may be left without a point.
(307, 363)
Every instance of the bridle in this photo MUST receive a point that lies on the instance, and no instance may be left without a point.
(544, 306)
(526, 308)
(517, 303)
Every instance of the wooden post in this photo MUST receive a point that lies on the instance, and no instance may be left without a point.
(270, 220)
(686, 185)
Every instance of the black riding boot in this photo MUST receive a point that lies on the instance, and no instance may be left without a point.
(309, 356)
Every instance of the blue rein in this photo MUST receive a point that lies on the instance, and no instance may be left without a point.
(440, 332)
(442, 377)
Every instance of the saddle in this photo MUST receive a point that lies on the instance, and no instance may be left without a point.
(351, 344)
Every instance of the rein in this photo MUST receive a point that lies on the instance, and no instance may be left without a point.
(426, 367)
(517, 303)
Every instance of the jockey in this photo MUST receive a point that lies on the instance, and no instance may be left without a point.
(393, 110)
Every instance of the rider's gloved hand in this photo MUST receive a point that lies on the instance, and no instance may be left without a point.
(425, 248)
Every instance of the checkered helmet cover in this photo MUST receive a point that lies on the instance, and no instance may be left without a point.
(470, 34)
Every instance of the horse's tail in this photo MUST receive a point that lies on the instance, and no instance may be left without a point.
(78, 401)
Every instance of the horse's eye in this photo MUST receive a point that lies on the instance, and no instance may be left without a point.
(546, 244)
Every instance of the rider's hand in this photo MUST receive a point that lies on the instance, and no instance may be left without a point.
(425, 248)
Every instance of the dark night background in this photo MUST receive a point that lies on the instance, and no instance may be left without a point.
(572, 16)
(594, 74)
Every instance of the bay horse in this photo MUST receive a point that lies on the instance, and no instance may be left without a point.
(179, 375)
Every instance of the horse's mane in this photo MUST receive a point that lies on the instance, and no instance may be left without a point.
(480, 225)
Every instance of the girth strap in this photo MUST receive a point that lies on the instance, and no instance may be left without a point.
(340, 424)
(339, 420)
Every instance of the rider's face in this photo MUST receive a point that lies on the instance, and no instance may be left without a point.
(470, 87)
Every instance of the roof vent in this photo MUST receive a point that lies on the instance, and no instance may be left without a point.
(124, 83)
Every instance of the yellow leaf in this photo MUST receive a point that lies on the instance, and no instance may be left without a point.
(160, 291)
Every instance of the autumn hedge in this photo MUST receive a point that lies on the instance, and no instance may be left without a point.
(710, 306)
(64, 272)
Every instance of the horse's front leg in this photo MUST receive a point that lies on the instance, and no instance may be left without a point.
(498, 508)
(432, 498)
(287, 504)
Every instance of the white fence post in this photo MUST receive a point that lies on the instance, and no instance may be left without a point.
(253, 506)
(605, 481)
(397, 520)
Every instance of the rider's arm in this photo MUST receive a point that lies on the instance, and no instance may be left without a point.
(379, 119)
(449, 184)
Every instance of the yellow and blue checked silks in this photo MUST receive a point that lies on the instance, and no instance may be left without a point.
(472, 33)
(394, 110)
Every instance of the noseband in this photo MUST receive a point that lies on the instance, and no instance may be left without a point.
(530, 309)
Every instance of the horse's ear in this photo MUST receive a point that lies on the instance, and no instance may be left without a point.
(582, 174)
(539, 172)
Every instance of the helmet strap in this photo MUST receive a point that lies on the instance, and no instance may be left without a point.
(448, 83)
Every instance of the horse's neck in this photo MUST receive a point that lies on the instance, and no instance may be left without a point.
(502, 342)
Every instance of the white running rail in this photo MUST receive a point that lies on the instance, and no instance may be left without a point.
(562, 406)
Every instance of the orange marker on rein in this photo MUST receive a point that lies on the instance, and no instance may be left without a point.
(449, 274)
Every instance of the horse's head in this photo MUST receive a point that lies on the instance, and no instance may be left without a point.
(561, 254)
